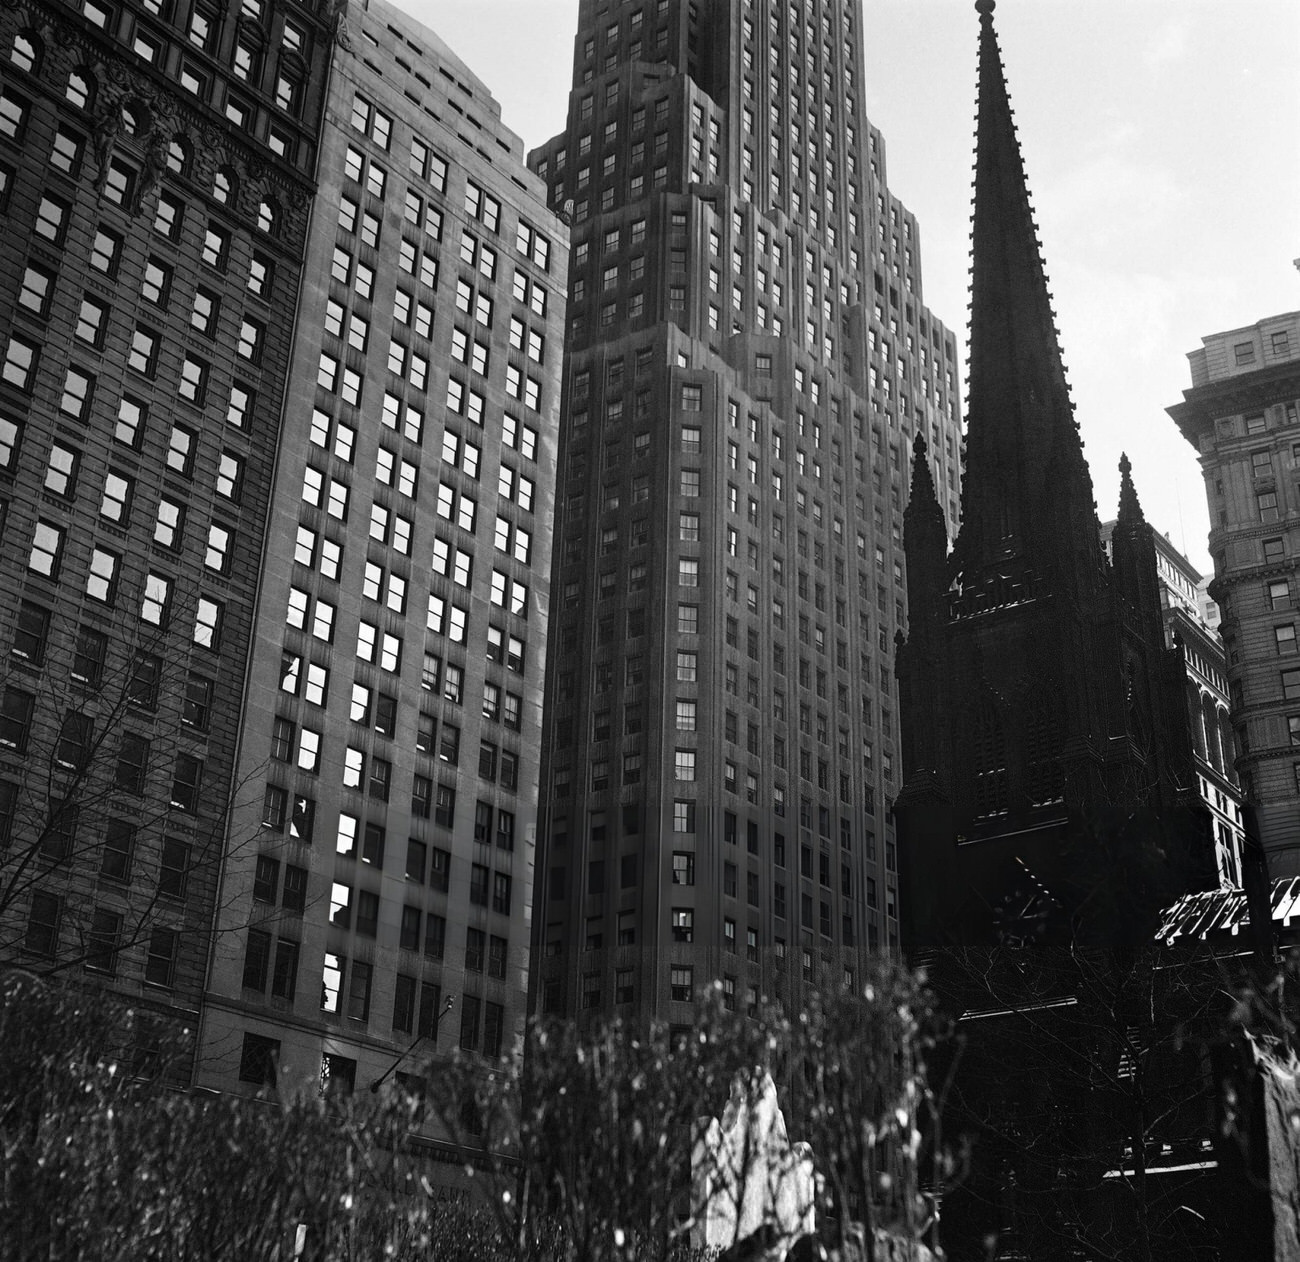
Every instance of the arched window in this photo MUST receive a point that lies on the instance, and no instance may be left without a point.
(81, 88)
(132, 119)
(178, 156)
(1195, 721)
(1044, 780)
(1213, 750)
(268, 216)
(26, 52)
(989, 748)
(225, 186)
(1227, 745)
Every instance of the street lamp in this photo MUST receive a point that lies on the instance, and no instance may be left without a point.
(433, 1033)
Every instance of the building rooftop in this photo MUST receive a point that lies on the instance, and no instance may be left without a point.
(1274, 340)
(1224, 911)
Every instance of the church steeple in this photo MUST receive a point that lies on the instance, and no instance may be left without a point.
(1027, 496)
(1130, 511)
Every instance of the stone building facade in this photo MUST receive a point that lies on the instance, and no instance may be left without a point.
(155, 182)
(1241, 415)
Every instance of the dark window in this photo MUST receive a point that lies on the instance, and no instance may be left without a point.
(501, 886)
(430, 1010)
(101, 941)
(119, 843)
(469, 1023)
(435, 936)
(257, 960)
(160, 962)
(16, 718)
(142, 687)
(76, 740)
(478, 885)
(284, 976)
(258, 1058)
(497, 948)
(439, 869)
(367, 913)
(88, 656)
(372, 846)
(197, 706)
(416, 854)
(132, 763)
(43, 924)
(295, 888)
(266, 880)
(409, 933)
(174, 868)
(30, 633)
(404, 1004)
(187, 783)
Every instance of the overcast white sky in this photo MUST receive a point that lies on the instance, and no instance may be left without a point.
(1162, 142)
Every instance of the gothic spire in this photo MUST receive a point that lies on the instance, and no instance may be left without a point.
(1027, 492)
(925, 541)
(1130, 510)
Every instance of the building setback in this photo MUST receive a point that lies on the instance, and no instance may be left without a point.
(155, 178)
(1241, 415)
(748, 361)
(380, 854)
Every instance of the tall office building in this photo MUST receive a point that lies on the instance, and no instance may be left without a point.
(155, 176)
(1183, 610)
(380, 855)
(748, 361)
(1241, 415)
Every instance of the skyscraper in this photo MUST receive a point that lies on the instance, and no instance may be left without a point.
(380, 858)
(155, 176)
(748, 361)
(1241, 415)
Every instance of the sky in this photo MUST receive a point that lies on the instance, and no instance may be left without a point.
(1162, 145)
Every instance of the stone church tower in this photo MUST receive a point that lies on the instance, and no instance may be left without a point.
(1045, 745)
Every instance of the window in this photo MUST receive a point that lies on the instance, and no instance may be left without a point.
(132, 764)
(16, 710)
(131, 416)
(160, 960)
(683, 868)
(30, 633)
(186, 783)
(174, 867)
(14, 111)
(207, 622)
(101, 581)
(52, 224)
(143, 355)
(42, 937)
(20, 362)
(682, 981)
(37, 290)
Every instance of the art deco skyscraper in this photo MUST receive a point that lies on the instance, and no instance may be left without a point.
(748, 362)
